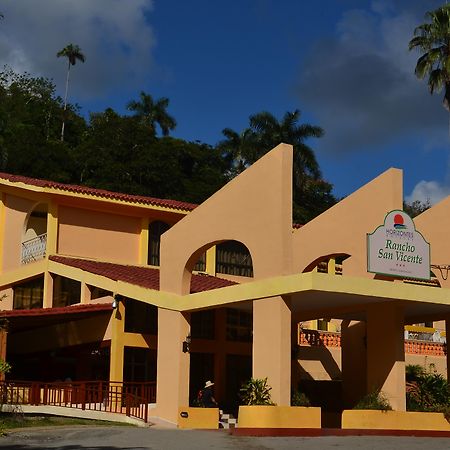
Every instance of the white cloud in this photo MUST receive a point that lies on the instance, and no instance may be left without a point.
(428, 191)
(114, 35)
(361, 85)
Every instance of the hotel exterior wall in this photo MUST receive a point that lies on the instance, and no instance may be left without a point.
(16, 211)
(434, 224)
(343, 227)
(93, 234)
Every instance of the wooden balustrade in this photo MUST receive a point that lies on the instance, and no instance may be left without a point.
(131, 398)
(317, 338)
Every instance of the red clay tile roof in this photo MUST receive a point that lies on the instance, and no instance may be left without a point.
(75, 309)
(99, 192)
(146, 277)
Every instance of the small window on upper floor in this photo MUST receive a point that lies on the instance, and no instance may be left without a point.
(157, 228)
(140, 317)
(239, 325)
(97, 292)
(203, 324)
(29, 295)
(233, 258)
(65, 291)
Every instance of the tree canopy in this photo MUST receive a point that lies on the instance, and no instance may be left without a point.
(123, 153)
(433, 40)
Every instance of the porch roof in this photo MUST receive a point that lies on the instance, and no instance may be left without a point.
(145, 277)
(21, 319)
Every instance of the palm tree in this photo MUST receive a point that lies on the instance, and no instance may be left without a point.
(433, 39)
(264, 133)
(153, 112)
(73, 54)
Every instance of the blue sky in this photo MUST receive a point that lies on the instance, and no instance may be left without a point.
(343, 63)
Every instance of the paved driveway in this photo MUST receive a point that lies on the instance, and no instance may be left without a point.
(129, 438)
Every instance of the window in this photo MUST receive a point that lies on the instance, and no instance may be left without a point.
(200, 266)
(239, 325)
(157, 228)
(140, 317)
(203, 324)
(139, 364)
(65, 291)
(97, 292)
(233, 258)
(29, 295)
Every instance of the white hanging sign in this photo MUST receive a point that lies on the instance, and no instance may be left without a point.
(397, 249)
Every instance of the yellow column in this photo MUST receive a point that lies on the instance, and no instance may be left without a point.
(52, 229)
(85, 293)
(354, 362)
(143, 241)
(332, 266)
(172, 381)
(211, 261)
(272, 346)
(2, 227)
(386, 352)
(220, 355)
(48, 290)
(117, 343)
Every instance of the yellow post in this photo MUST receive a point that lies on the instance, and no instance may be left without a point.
(386, 352)
(332, 266)
(272, 346)
(117, 347)
(85, 293)
(211, 261)
(47, 301)
(52, 229)
(143, 241)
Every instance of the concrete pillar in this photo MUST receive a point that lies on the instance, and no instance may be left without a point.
(47, 301)
(272, 346)
(52, 229)
(143, 241)
(354, 362)
(117, 343)
(386, 352)
(172, 380)
(220, 355)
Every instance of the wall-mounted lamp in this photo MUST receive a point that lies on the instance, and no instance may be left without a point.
(117, 299)
(187, 344)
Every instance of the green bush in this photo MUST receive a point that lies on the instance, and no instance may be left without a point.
(256, 391)
(426, 391)
(374, 400)
(300, 399)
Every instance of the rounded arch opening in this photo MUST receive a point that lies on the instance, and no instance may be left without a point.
(332, 263)
(34, 234)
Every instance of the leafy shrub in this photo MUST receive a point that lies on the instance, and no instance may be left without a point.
(256, 391)
(426, 391)
(374, 400)
(300, 399)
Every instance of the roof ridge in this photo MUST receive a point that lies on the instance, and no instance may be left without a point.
(102, 193)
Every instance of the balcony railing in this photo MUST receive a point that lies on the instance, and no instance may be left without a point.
(131, 399)
(34, 249)
(316, 338)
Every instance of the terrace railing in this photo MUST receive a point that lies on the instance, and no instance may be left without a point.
(131, 399)
(34, 249)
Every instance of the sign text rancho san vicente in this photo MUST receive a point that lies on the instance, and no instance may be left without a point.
(397, 249)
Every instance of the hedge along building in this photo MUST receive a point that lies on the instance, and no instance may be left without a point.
(100, 243)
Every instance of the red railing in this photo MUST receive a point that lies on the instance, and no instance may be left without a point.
(131, 399)
(316, 338)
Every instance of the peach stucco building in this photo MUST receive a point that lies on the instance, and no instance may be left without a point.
(224, 290)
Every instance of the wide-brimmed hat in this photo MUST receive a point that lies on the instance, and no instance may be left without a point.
(208, 384)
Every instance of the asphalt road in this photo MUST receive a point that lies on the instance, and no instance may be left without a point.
(129, 438)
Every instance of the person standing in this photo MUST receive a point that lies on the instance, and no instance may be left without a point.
(208, 399)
